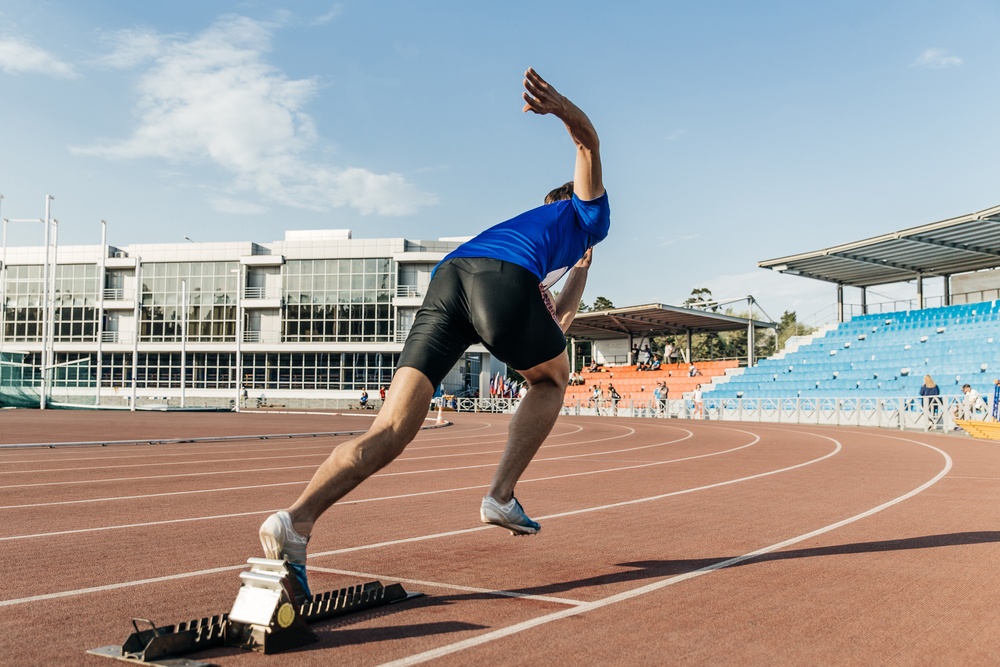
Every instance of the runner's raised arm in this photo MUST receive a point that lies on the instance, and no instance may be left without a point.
(541, 98)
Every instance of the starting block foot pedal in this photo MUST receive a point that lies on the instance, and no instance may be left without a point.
(266, 615)
(271, 614)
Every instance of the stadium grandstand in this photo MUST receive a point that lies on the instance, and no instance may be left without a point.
(875, 360)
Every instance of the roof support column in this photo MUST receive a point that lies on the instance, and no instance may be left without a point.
(864, 301)
(690, 359)
(572, 355)
(920, 291)
(840, 302)
(947, 290)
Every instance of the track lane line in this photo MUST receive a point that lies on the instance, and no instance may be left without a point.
(377, 475)
(455, 587)
(379, 545)
(485, 638)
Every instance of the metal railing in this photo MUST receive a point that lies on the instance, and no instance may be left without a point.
(251, 336)
(114, 294)
(109, 337)
(882, 412)
(406, 290)
(254, 292)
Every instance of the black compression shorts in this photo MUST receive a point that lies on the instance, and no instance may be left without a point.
(480, 300)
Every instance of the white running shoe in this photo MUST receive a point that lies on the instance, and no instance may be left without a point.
(281, 542)
(511, 516)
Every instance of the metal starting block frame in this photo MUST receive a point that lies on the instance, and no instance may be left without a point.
(271, 614)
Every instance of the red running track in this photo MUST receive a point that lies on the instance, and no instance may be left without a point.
(663, 541)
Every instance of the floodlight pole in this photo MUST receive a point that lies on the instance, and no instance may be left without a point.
(183, 339)
(102, 278)
(138, 326)
(47, 329)
(50, 356)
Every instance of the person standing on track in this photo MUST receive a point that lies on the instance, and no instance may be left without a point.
(492, 289)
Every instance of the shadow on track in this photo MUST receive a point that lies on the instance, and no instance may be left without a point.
(656, 569)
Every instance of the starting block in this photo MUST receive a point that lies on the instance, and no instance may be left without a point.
(271, 614)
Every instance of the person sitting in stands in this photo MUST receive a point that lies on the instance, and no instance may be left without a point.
(364, 398)
(693, 371)
(655, 366)
(971, 405)
(593, 366)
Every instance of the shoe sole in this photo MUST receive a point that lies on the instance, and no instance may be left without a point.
(271, 549)
(514, 528)
(269, 542)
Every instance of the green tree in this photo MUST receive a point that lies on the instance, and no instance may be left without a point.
(789, 326)
(601, 303)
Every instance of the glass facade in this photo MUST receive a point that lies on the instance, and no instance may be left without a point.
(318, 371)
(295, 343)
(211, 301)
(338, 300)
(75, 303)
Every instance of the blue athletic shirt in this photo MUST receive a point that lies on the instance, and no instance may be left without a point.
(547, 240)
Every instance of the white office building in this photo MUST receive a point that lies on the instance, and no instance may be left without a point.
(309, 321)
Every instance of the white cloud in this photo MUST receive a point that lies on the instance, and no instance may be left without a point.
(18, 56)
(214, 98)
(132, 47)
(678, 239)
(936, 59)
(334, 12)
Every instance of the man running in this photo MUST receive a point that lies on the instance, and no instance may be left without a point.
(492, 290)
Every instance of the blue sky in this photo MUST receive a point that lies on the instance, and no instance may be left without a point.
(731, 131)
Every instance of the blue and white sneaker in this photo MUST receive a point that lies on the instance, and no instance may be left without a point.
(511, 516)
(281, 542)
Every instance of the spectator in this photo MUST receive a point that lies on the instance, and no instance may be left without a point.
(647, 356)
(598, 398)
(635, 355)
(655, 366)
(668, 353)
(364, 398)
(971, 405)
(931, 393)
(693, 371)
(593, 366)
(664, 394)
(381, 394)
(614, 395)
(696, 397)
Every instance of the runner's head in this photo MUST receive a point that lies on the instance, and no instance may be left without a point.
(564, 191)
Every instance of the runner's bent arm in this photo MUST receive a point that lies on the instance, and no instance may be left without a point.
(568, 300)
(541, 98)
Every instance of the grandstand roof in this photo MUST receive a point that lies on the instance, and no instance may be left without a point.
(653, 319)
(958, 245)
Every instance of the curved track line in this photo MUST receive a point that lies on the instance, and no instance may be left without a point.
(389, 474)
(377, 545)
(663, 583)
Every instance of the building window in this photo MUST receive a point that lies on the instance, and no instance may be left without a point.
(317, 371)
(211, 301)
(338, 300)
(74, 303)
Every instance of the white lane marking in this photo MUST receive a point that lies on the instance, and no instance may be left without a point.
(390, 474)
(255, 444)
(485, 638)
(455, 587)
(255, 458)
(376, 545)
(311, 466)
(148, 495)
(118, 586)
